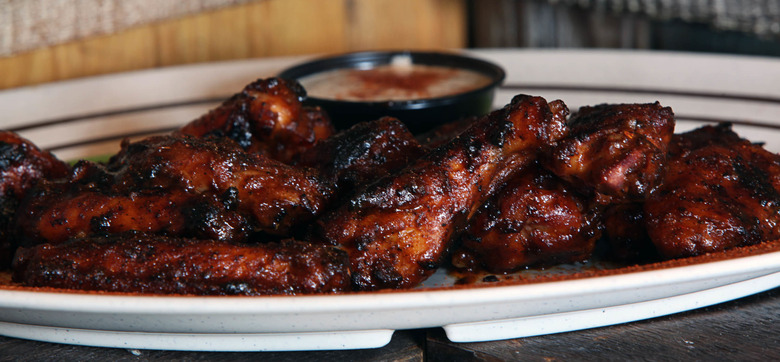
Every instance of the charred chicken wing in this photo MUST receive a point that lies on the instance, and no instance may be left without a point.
(155, 264)
(164, 184)
(268, 117)
(535, 219)
(363, 153)
(397, 230)
(22, 165)
(618, 150)
(719, 192)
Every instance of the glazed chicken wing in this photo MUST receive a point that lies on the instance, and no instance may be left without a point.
(363, 153)
(618, 150)
(22, 165)
(164, 184)
(276, 195)
(719, 192)
(267, 117)
(155, 264)
(535, 219)
(61, 212)
(397, 230)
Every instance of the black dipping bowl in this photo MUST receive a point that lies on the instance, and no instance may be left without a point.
(419, 115)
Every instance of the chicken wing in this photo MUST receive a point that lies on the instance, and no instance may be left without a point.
(162, 183)
(141, 263)
(618, 150)
(719, 192)
(363, 153)
(22, 165)
(536, 219)
(396, 231)
(268, 117)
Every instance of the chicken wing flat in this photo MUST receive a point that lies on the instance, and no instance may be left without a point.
(268, 117)
(719, 192)
(397, 230)
(363, 153)
(536, 219)
(161, 183)
(618, 150)
(22, 165)
(61, 212)
(139, 263)
(276, 195)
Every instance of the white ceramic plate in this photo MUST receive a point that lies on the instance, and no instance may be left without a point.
(88, 117)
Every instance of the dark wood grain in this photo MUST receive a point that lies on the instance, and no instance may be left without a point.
(741, 330)
(554, 24)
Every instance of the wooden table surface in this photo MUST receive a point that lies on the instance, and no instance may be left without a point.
(742, 330)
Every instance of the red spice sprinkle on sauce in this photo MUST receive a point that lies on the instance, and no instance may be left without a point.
(392, 82)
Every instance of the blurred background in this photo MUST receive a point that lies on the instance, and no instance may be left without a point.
(50, 40)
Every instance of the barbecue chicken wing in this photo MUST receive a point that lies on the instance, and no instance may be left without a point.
(397, 230)
(60, 212)
(268, 117)
(156, 264)
(535, 219)
(363, 153)
(22, 165)
(719, 192)
(209, 188)
(618, 150)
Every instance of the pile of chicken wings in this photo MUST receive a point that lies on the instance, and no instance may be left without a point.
(262, 196)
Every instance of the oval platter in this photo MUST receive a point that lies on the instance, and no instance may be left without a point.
(88, 117)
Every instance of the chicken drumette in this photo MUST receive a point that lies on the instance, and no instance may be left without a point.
(397, 231)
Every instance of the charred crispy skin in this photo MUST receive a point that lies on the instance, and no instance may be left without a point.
(535, 219)
(719, 192)
(267, 117)
(61, 213)
(363, 153)
(22, 165)
(276, 195)
(164, 184)
(619, 150)
(397, 231)
(162, 265)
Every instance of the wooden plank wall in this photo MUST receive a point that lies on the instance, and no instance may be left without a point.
(548, 24)
(258, 29)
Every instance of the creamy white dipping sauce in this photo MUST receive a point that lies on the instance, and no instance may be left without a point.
(399, 80)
